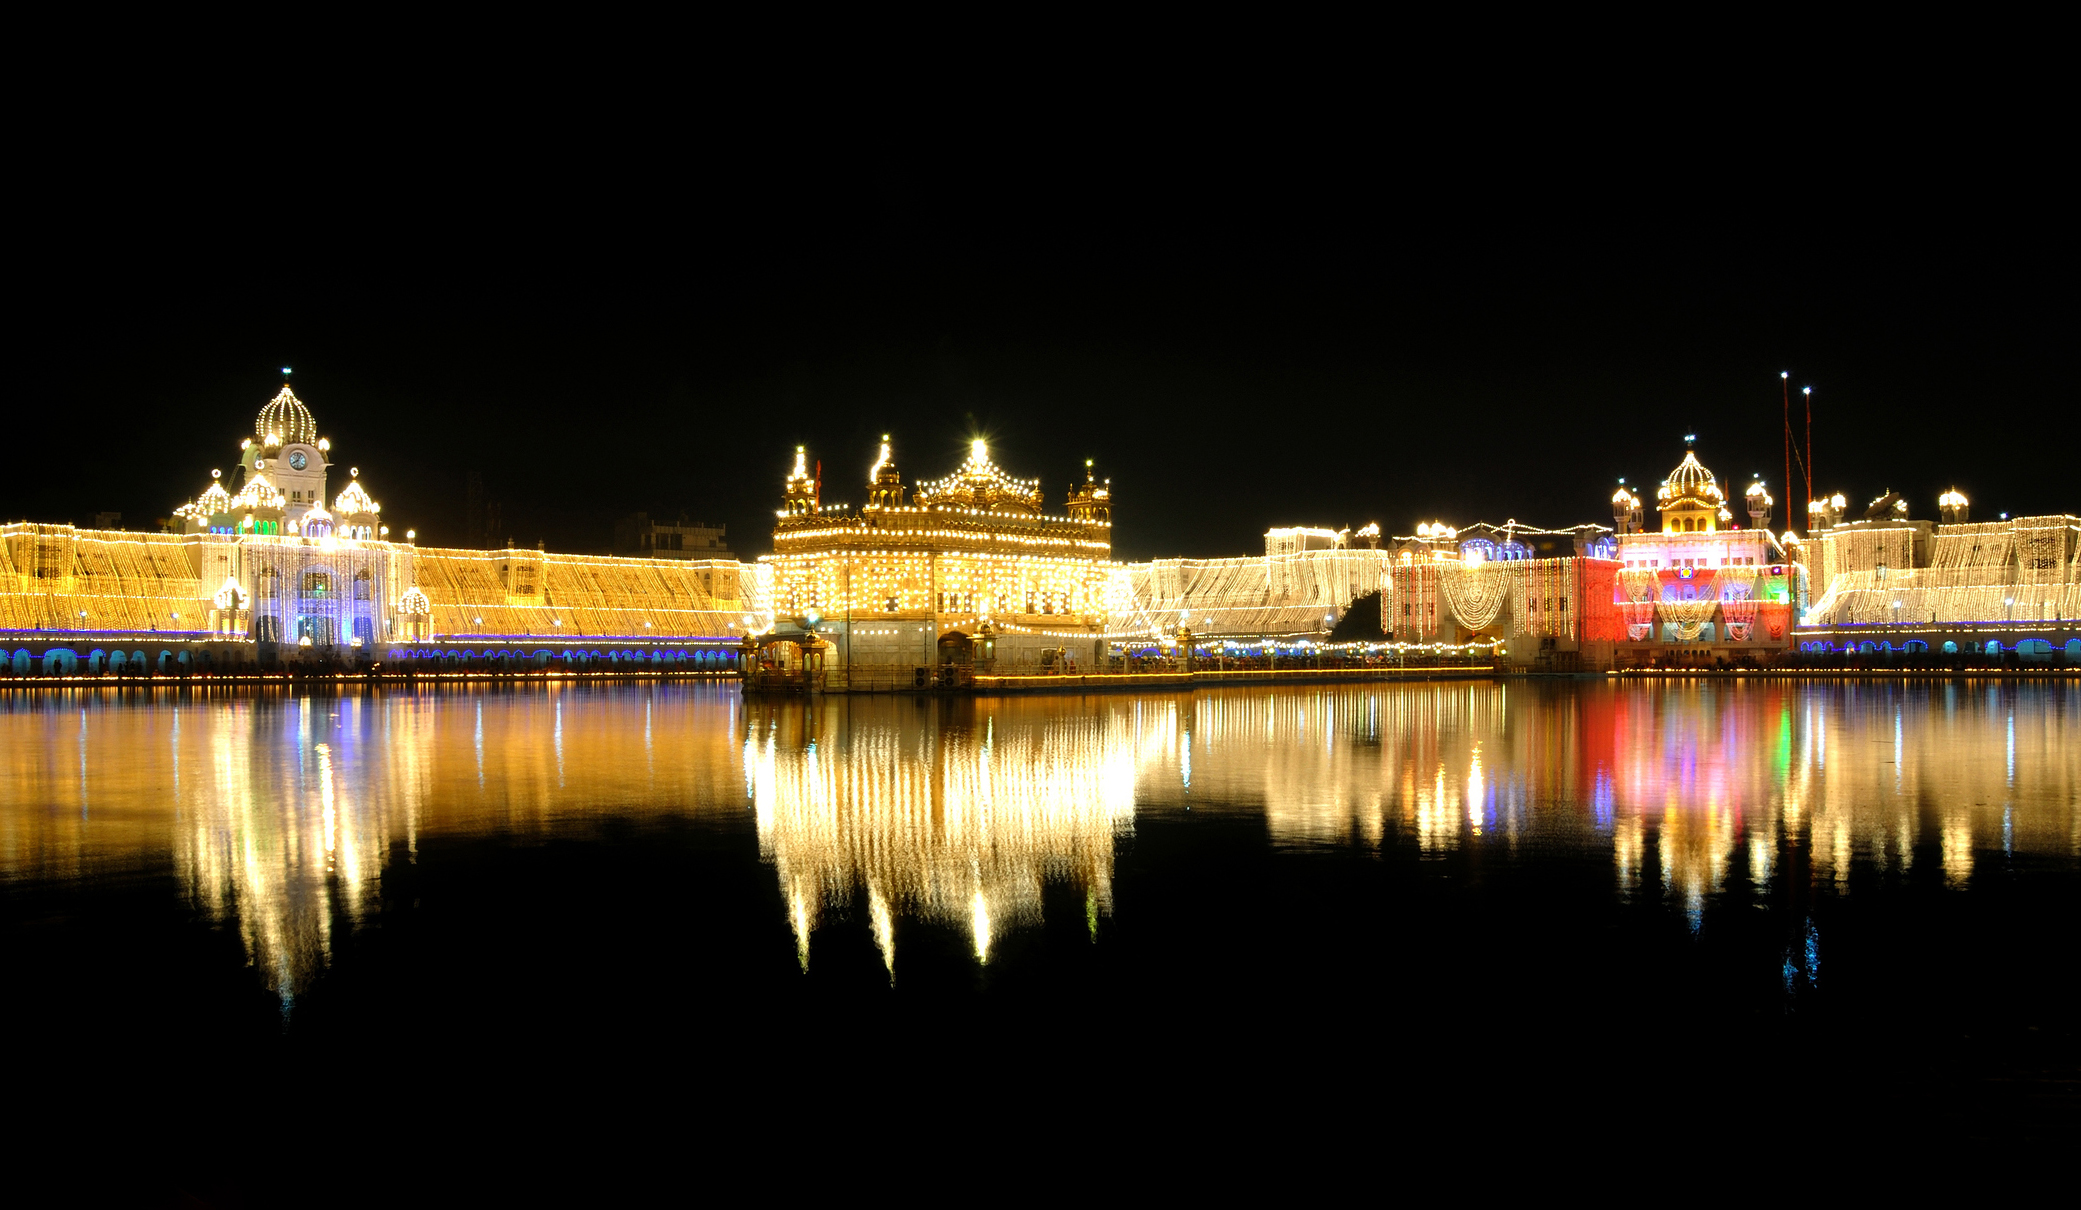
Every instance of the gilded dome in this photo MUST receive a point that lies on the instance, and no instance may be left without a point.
(979, 483)
(1690, 481)
(286, 421)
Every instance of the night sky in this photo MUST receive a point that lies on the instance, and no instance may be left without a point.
(1246, 323)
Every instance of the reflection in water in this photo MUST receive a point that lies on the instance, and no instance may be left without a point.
(944, 824)
(280, 815)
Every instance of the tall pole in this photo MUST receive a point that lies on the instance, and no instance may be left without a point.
(1785, 385)
(1809, 393)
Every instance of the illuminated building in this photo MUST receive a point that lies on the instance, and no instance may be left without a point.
(913, 578)
(263, 570)
(1897, 584)
(1542, 597)
(1305, 582)
(1703, 589)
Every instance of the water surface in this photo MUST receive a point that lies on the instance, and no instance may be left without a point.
(1711, 890)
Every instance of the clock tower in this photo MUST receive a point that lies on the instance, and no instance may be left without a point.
(287, 451)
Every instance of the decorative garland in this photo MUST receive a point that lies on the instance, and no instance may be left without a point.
(1476, 594)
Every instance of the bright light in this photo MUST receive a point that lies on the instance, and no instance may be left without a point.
(979, 450)
(1806, 390)
(1784, 373)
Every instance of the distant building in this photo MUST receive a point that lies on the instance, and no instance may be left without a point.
(108, 520)
(266, 566)
(643, 538)
(1703, 590)
(1542, 598)
(1889, 583)
(1303, 585)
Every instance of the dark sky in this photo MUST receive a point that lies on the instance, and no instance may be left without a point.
(1246, 320)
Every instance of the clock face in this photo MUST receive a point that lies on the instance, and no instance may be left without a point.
(296, 460)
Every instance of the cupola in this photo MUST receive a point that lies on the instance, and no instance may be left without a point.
(1690, 499)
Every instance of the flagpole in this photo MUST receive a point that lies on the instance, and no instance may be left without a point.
(1785, 383)
(1809, 393)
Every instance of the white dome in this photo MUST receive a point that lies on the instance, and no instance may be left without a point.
(355, 502)
(286, 421)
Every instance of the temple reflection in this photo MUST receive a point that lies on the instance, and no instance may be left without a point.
(958, 824)
(280, 814)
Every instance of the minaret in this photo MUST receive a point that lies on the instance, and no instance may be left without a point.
(1759, 503)
(800, 494)
(884, 481)
(1626, 512)
(1952, 507)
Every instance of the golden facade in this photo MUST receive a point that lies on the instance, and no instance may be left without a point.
(909, 566)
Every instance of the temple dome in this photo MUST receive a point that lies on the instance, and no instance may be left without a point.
(286, 420)
(979, 483)
(259, 493)
(1690, 481)
(214, 499)
(355, 501)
